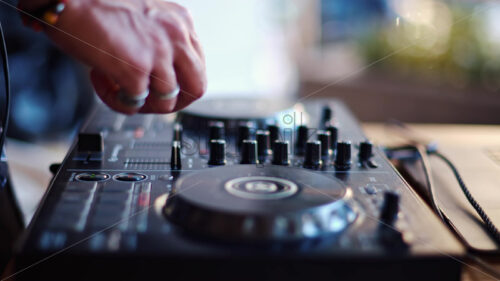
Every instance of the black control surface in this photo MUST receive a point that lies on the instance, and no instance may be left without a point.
(297, 194)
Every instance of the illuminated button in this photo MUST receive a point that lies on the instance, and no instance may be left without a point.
(92, 177)
(130, 177)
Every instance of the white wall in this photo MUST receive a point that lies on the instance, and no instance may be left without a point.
(244, 46)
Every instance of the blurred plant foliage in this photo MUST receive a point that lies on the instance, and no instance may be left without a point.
(453, 43)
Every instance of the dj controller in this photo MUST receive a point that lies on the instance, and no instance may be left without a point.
(233, 190)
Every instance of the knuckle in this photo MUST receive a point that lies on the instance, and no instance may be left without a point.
(135, 84)
(185, 14)
(176, 29)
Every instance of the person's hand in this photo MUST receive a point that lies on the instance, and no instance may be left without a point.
(134, 46)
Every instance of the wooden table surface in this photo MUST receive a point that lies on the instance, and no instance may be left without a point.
(458, 142)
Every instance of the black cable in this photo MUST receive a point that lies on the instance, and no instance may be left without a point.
(5, 119)
(426, 167)
(422, 154)
(490, 226)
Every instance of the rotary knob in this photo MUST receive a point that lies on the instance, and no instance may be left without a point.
(175, 157)
(389, 236)
(343, 158)
(263, 143)
(312, 159)
(216, 130)
(365, 154)
(326, 115)
(274, 133)
(249, 152)
(324, 138)
(334, 133)
(302, 136)
(244, 132)
(280, 153)
(217, 152)
(390, 208)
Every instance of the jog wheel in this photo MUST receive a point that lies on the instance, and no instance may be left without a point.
(248, 202)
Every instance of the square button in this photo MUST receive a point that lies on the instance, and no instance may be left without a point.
(69, 208)
(116, 187)
(114, 197)
(106, 210)
(64, 221)
(71, 196)
(81, 186)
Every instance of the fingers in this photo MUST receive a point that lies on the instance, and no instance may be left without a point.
(163, 89)
(190, 71)
(144, 79)
(108, 91)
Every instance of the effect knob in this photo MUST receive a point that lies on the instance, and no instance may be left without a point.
(243, 132)
(324, 138)
(274, 133)
(216, 130)
(326, 115)
(175, 157)
(343, 159)
(334, 134)
(280, 153)
(390, 208)
(249, 152)
(217, 152)
(177, 132)
(313, 155)
(388, 235)
(263, 143)
(365, 154)
(302, 136)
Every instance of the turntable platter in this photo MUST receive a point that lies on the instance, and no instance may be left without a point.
(249, 202)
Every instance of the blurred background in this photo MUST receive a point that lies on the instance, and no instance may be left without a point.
(415, 60)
